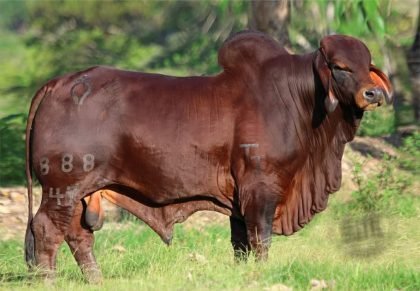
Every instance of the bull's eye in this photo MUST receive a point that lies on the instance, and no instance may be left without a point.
(341, 68)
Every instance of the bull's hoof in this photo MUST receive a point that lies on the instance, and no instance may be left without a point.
(93, 275)
(240, 256)
(46, 276)
(49, 280)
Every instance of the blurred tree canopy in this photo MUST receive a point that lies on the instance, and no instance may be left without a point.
(42, 39)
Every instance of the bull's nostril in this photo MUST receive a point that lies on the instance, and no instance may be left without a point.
(368, 94)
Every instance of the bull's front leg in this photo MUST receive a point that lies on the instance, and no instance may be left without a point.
(239, 239)
(259, 212)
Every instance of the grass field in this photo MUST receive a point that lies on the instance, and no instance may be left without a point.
(132, 257)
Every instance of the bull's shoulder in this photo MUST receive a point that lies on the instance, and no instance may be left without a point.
(248, 49)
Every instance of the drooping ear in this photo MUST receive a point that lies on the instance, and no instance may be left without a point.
(382, 81)
(324, 73)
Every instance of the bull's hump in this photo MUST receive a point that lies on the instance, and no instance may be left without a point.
(248, 49)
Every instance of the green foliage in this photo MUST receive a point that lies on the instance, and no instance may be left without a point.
(12, 14)
(12, 150)
(411, 153)
(124, 216)
(359, 18)
(383, 191)
(378, 123)
(146, 35)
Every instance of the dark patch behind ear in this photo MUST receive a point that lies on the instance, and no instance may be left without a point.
(324, 72)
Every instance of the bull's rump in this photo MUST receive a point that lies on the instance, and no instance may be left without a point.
(166, 137)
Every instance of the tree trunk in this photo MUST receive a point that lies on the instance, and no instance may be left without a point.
(413, 60)
(271, 17)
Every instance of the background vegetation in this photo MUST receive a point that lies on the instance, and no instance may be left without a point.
(42, 39)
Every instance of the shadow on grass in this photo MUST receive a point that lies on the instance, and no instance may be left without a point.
(33, 279)
(11, 277)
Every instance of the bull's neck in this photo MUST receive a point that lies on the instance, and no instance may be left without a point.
(302, 79)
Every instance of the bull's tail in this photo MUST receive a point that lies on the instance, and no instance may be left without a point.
(29, 237)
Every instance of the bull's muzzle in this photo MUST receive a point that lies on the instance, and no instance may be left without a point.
(374, 95)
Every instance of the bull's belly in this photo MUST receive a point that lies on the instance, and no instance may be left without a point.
(176, 177)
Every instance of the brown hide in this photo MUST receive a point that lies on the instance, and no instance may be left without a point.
(165, 147)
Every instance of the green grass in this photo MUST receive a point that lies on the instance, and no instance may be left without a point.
(142, 262)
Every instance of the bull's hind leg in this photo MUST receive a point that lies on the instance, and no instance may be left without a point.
(49, 226)
(80, 239)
